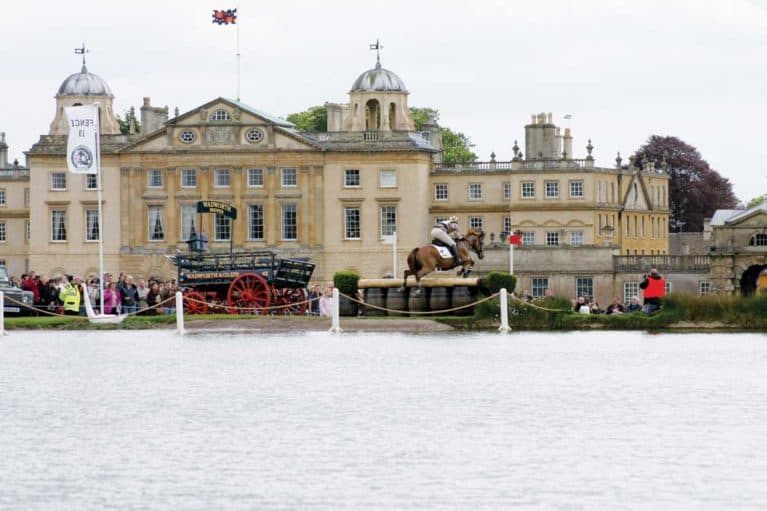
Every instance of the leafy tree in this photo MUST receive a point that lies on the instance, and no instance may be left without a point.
(455, 145)
(314, 119)
(756, 200)
(422, 116)
(695, 189)
(124, 122)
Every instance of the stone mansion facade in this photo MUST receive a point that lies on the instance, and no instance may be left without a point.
(332, 196)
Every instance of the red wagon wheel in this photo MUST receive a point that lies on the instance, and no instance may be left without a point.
(287, 296)
(195, 303)
(248, 294)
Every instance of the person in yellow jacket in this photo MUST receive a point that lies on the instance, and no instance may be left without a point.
(70, 295)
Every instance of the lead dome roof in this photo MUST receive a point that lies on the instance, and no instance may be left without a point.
(378, 79)
(84, 84)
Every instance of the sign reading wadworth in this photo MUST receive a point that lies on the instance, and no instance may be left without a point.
(214, 206)
(83, 140)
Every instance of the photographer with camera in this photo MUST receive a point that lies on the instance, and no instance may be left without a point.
(654, 286)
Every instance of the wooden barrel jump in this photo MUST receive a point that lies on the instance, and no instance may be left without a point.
(375, 297)
(438, 293)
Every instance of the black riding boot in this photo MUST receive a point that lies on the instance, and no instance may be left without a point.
(454, 251)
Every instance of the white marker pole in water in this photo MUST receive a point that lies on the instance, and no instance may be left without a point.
(334, 325)
(504, 328)
(179, 313)
(2, 314)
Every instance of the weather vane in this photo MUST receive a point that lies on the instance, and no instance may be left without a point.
(377, 47)
(82, 51)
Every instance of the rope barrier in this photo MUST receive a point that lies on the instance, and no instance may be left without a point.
(533, 305)
(57, 315)
(41, 310)
(292, 304)
(237, 308)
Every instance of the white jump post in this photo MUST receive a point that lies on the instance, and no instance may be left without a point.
(504, 328)
(2, 314)
(179, 313)
(335, 327)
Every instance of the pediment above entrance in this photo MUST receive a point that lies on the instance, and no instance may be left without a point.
(225, 124)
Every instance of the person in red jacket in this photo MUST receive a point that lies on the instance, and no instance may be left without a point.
(30, 284)
(654, 286)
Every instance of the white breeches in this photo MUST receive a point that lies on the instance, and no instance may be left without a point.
(439, 234)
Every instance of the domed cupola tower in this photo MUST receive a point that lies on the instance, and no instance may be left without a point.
(378, 101)
(80, 89)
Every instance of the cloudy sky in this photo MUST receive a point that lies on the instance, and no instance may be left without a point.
(694, 69)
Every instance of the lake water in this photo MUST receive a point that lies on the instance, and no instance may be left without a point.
(152, 420)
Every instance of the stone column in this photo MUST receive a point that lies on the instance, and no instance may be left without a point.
(239, 225)
(204, 186)
(271, 208)
(171, 209)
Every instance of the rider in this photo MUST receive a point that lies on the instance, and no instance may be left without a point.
(446, 231)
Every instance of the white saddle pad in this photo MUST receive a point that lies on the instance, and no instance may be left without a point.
(444, 252)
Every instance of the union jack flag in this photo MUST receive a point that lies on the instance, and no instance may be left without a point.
(225, 16)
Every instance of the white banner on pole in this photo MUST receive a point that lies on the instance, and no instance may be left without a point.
(82, 143)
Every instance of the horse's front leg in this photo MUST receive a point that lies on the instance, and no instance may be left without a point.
(466, 269)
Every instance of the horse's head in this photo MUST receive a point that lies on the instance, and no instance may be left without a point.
(476, 241)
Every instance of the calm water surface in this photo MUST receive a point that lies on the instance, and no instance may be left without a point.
(151, 420)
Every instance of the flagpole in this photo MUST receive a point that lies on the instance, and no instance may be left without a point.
(511, 253)
(238, 55)
(101, 218)
(511, 258)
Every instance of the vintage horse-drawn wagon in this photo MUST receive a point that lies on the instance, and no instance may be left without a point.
(253, 282)
(239, 282)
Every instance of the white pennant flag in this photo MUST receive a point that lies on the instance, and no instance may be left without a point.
(83, 141)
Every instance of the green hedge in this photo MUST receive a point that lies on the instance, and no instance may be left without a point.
(346, 282)
(497, 280)
(748, 313)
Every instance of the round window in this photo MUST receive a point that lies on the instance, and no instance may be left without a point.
(254, 135)
(187, 136)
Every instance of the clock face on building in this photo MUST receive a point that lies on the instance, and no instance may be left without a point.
(254, 135)
(187, 136)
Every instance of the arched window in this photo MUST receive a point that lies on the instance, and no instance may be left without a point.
(760, 240)
(372, 115)
(392, 119)
(220, 115)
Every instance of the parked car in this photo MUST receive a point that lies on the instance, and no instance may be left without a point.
(16, 295)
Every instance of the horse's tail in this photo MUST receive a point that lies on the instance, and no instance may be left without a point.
(413, 266)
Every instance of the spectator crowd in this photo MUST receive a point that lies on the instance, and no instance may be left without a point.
(122, 295)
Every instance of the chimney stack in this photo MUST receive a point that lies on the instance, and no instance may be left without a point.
(3, 151)
(152, 118)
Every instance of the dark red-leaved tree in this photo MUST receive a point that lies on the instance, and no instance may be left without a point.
(695, 189)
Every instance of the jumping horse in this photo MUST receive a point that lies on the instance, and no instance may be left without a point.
(423, 260)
